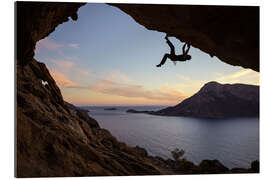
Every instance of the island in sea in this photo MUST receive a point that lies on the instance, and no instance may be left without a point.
(110, 109)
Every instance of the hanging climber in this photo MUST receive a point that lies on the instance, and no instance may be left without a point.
(172, 56)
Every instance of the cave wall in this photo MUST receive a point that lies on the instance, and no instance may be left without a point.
(230, 33)
(57, 139)
(36, 20)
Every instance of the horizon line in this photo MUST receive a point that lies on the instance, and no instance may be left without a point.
(94, 105)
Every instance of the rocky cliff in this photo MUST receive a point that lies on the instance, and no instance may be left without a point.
(55, 139)
(36, 20)
(216, 100)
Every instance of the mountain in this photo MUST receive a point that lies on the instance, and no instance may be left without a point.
(215, 100)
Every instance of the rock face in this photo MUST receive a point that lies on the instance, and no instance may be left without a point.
(36, 20)
(212, 167)
(230, 33)
(216, 100)
(55, 138)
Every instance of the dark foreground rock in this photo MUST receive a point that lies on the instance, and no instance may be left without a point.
(75, 108)
(212, 167)
(57, 139)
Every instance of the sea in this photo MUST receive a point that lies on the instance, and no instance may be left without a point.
(232, 141)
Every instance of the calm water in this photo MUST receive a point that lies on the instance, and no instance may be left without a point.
(234, 142)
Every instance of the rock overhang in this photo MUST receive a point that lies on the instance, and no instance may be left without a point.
(230, 33)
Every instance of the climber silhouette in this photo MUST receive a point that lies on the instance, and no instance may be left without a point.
(173, 56)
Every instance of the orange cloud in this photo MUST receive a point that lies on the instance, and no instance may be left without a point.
(115, 84)
(64, 64)
(116, 88)
(52, 45)
(67, 66)
(118, 76)
(74, 45)
(182, 77)
(138, 91)
(62, 81)
(247, 76)
(47, 44)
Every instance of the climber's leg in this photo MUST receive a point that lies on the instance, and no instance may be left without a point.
(163, 60)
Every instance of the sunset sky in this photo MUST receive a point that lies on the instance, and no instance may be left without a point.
(106, 58)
